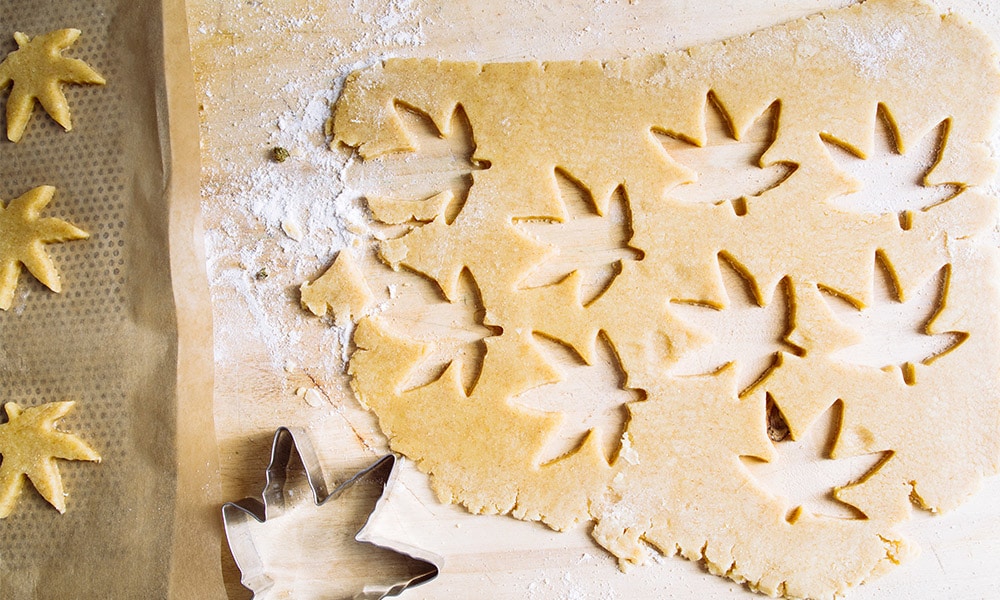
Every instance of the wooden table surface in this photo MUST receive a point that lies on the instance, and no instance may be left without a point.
(267, 72)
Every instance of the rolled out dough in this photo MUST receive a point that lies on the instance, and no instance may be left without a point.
(678, 483)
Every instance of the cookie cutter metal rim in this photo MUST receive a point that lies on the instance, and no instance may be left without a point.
(272, 504)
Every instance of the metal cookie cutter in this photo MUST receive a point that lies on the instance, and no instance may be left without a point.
(237, 516)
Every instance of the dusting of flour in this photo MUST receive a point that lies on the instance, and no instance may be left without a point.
(272, 226)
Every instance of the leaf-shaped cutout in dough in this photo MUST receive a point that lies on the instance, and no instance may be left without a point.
(590, 398)
(890, 181)
(727, 167)
(454, 329)
(803, 472)
(745, 332)
(894, 332)
(441, 164)
(592, 244)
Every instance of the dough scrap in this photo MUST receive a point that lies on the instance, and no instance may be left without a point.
(681, 486)
(29, 445)
(394, 212)
(341, 288)
(23, 235)
(36, 69)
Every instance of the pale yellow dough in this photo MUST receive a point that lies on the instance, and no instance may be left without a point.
(682, 487)
(341, 289)
(23, 236)
(37, 69)
(29, 445)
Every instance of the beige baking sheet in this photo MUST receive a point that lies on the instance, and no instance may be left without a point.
(142, 523)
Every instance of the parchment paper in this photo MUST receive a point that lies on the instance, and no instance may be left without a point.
(128, 336)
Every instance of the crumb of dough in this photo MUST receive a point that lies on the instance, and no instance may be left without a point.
(29, 445)
(311, 396)
(23, 236)
(292, 228)
(36, 69)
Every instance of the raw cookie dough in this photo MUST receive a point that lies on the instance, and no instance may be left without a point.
(341, 289)
(682, 486)
(23, 235)
(37, 68)
(29, 445)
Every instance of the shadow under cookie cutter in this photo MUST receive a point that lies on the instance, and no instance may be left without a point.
(237, 515)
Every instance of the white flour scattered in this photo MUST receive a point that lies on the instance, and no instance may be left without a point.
(397, 23)
(871, 54)
(273, 226)
(570, 585)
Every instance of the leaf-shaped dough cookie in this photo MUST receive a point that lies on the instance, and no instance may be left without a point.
(23, 236)
(29, 444)
(36, 69)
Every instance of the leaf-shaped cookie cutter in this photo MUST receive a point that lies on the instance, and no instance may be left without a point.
(237, 515)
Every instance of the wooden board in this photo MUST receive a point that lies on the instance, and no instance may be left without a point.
(267, 73)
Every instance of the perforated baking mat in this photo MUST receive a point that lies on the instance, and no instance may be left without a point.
(140, 522)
